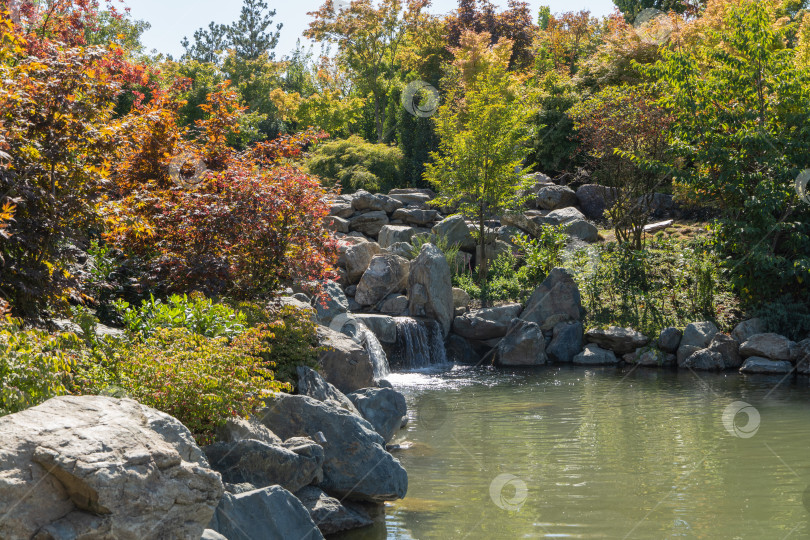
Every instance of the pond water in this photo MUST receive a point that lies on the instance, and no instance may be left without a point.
(564, 452)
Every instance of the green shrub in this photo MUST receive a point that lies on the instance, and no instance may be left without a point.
(354, 164)
(786, 316)
(195, 313)
(283, 338)
(540, 255)
(33, 367)
(668, 284)
(503, 280)
(200, 381)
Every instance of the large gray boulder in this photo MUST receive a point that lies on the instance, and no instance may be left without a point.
(556, 300)
(523, 345)
(237, 429)
(705, 360)
(382, 326)
(554, 197)
(461, 299)
(311, 384)
(801, 357)
(331, 303)
(483, 324)
(768, 345)
(573, 223)
(582, 229)
(363, 200)
(356, 464)
(391, 234)
(594, 355)
(564, 215)
(595, 199)
(520, 221)
(100, 467)
(341, 208)
(756, 364)
(455, 232)
(412, 195)
(430, 287)
(403, 249)
(270, 513)
(459, 351)
(384, 409)
(618, 340)
(356, 259)
(746, 329)
(394, 304)
(328, 513)
(261, 464)
(386, 274)
(416, 216)
(669, 339)
(566, 342)
(337, 224)
(696, 336)
(728, 348)
(369, 223)
(344, 362)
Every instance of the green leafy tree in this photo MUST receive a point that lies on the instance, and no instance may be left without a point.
(624, 136)
(740, 116)
(483, 131)
(368, 37)
(631, 9)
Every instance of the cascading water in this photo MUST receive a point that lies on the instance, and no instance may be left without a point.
(375, 351)
(419, 343)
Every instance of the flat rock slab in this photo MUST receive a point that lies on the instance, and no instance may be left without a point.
(618, 340)
(760, 365)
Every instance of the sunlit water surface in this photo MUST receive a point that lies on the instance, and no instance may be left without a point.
(599, 453)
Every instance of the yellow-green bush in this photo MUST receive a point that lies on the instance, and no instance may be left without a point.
(33, 366)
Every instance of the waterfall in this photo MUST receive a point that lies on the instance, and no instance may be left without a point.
(375, 351)
(419, 343)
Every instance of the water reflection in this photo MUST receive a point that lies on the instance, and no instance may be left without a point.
(602, 453)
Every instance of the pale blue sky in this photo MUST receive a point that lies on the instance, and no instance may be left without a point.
(173, 19)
